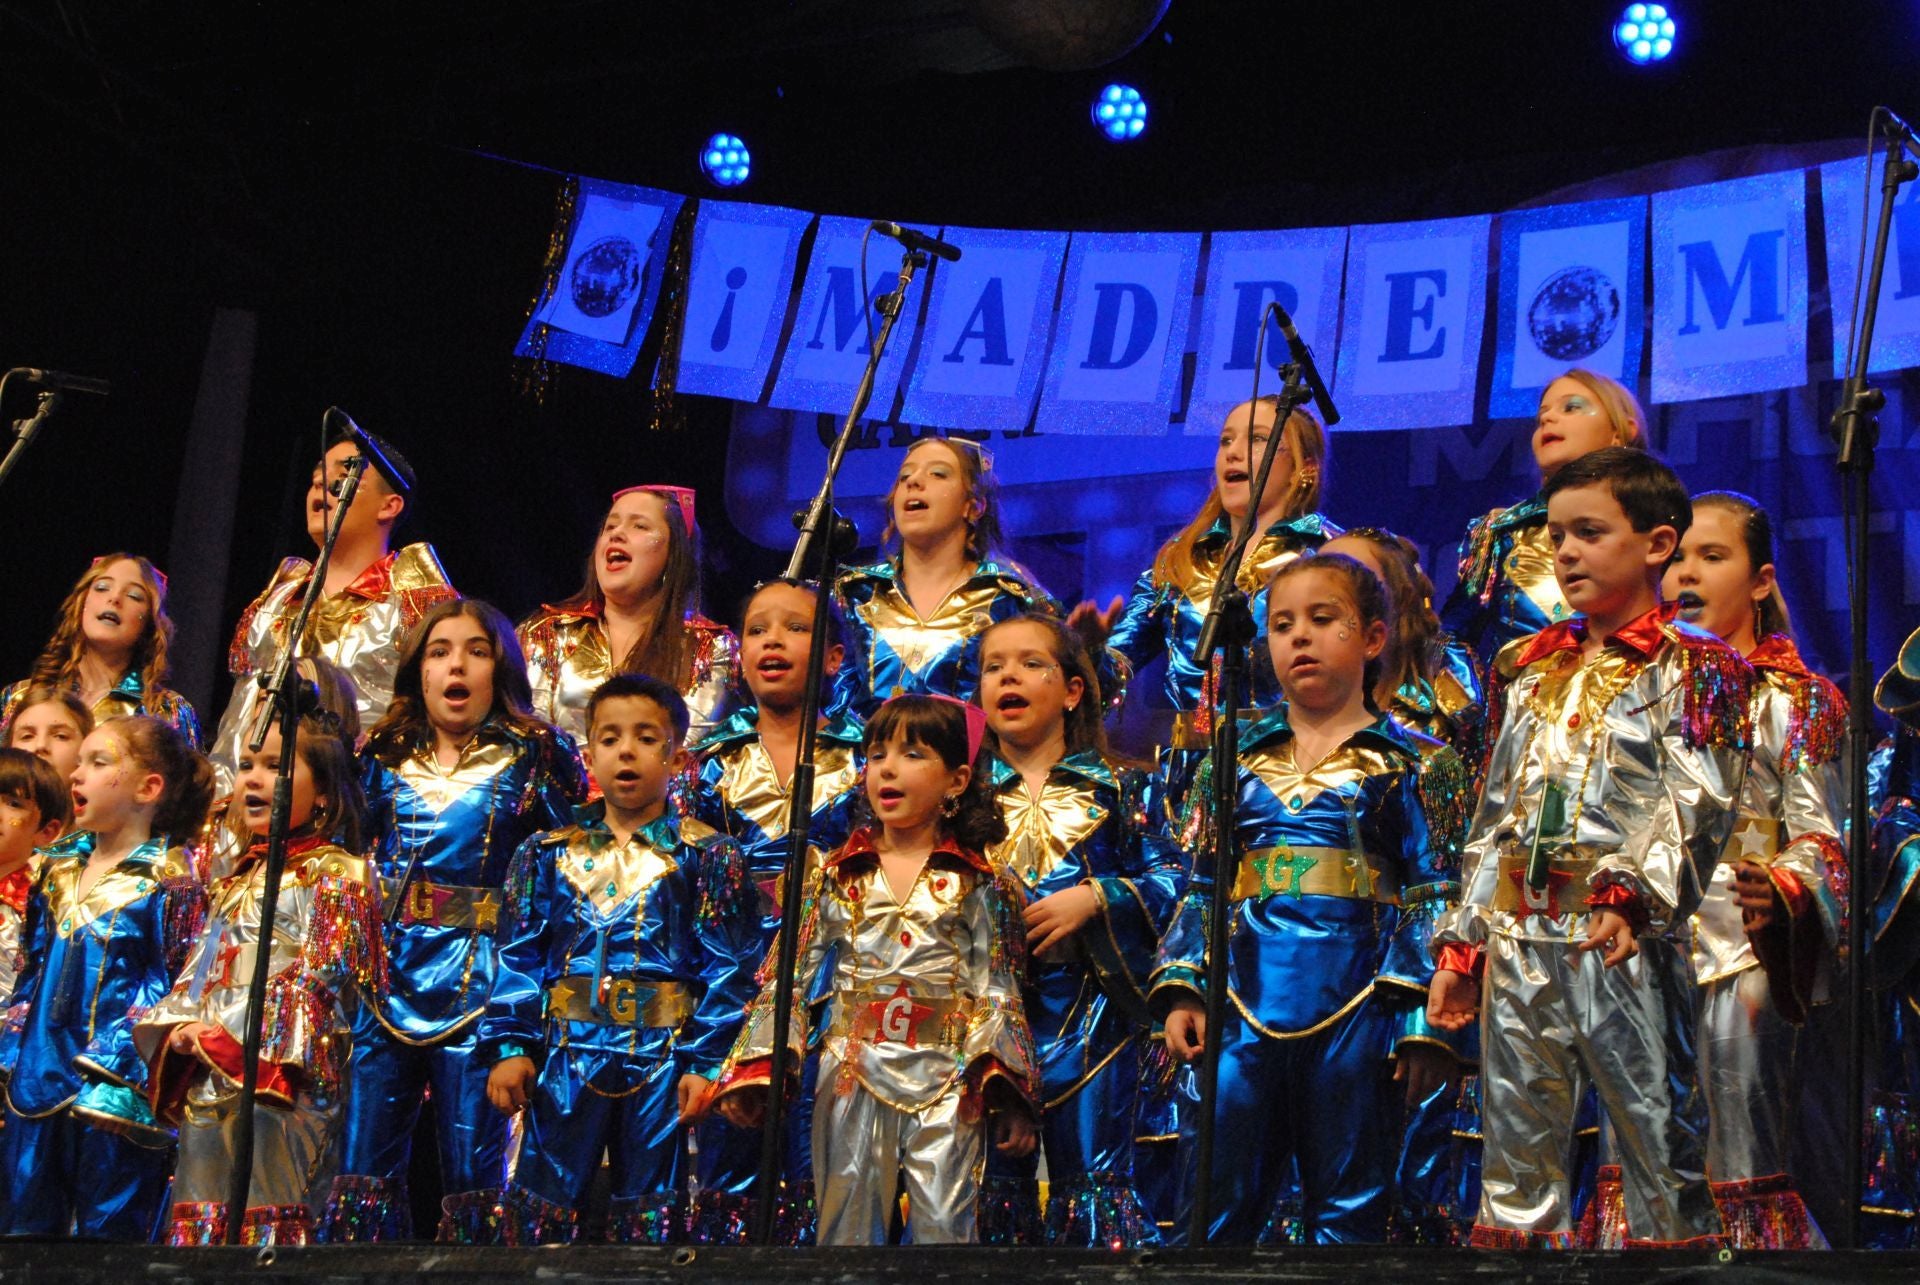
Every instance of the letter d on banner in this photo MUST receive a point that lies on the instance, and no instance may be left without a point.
(1120, 334)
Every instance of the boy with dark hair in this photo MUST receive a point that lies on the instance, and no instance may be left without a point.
(35, 806)
(1609, 795)
(373, 595)
(626, 962)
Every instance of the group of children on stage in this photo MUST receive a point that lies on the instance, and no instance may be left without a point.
(1575, 861)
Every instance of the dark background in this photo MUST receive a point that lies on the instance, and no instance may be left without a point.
(322, 167)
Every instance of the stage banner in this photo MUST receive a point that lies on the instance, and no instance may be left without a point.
(832, 331)
(1410, 335)
(1847, 190)
(744, 258)
(1120, 333)
(985, 340)
(1246, 271)
(1572, 293)
(1730, 287)
(602, 301)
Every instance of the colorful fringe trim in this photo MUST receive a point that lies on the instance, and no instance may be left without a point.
(1604, 1224)
(1766, 1213)
(798, 1217)
(1437, 1226)
(649, 1220)
(720, 1218)
(362, 1209)
(1893, 1159)
(1287, 1225)
(1484, 1237)
(473, 1218)
(528, 1220)
(206, 1224)
(1098, 1211)
(1008, 1211)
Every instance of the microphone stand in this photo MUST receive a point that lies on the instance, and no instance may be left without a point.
(1856, 424)
(291, 694)
(1229, 629)
(24, 430)
(825, 537)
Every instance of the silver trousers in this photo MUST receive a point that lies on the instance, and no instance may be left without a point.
(863, 1149)
(1557, 1021)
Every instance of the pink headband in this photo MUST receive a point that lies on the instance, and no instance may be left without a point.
(976, 723)
(680, 495)
(158, 574)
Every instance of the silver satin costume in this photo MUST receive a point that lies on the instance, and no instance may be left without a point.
(927, 1027)
(326, 949)
(567, 657)
(1621, 770)
(360, 629)
(1754, 992)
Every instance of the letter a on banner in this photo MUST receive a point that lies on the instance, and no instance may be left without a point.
(1120, 333)
(602, 301)
(1571, 294)
(985, 340)
(1730, 287)
(1844, 187)
(737, 287)
(1410, 339)
(1246, 271)
(826, 351)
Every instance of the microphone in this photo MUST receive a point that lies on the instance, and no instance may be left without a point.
(1898, 131)
(1303, 357)
(917, 240)
(340, 424)
(63, 381)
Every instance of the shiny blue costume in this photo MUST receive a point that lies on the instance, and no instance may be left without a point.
(1339, 882)
(80, 1153)
(1164, 618)
(892, 650)
(443, 839)
(1891, 1201)
(1506, 588)
(1086, 1000)
(624, 967)
(740, 796)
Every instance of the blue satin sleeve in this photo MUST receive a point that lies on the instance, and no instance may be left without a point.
(559, 782)
(515, 1020)
(137, 979)
(36, 941)
(1138, 893)
(725, 949)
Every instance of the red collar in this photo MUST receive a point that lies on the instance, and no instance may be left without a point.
(1642, 634)
(15, 887)
(376, 582)
(295, 848)
(1777, 652)
(861, 844)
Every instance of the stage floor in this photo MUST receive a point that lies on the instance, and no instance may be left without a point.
(127, 1265)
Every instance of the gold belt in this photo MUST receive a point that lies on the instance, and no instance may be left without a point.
(901, 1017)
(446, 905)
(1287, 871)
(1569, 882)
(622, 1002)
(1755, 838)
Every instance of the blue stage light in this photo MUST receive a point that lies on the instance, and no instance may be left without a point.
(1644, 33)
(1120, 113)
(725, 160)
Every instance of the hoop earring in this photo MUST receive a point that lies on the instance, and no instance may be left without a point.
(950, 805)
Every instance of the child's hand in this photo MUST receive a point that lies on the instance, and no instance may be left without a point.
(184, 1036)
(1423, 1068)
(1753, 885)
(1453, 1000)
(1092, 624)
(1609, 928)
(744, 1108)
(510, 1084)
(693, 1096)
(1014, 1134)
(1187, 1028)
(1055, 918)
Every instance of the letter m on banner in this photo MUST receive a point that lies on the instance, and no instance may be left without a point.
(1730, 288)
